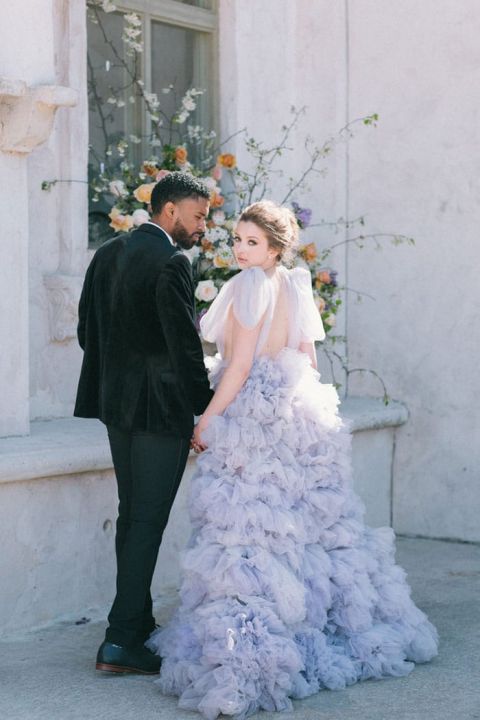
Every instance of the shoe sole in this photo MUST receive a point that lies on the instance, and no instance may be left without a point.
(124, 669)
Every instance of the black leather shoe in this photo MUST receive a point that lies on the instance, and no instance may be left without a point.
(118, 659)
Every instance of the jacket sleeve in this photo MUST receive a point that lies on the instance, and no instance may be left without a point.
(175, 306)
(83, 305)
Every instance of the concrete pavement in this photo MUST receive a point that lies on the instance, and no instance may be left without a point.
(49, 674)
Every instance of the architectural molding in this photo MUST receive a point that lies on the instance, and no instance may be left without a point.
(63, 293)
(27, 113)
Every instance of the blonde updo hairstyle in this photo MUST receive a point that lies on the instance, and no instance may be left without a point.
(278, 223)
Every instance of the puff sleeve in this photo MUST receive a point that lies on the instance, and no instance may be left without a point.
(309, 324)
(252, 296)
(250, 293)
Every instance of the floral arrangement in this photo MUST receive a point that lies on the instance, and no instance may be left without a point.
(213, 260)
(179, 143)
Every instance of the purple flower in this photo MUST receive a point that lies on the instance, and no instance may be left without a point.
(199, 317)
(303, 215)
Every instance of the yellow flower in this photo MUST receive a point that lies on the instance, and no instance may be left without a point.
(220, 261)
(120, 222)
(143, 193)
(181, 155)
(227, 160)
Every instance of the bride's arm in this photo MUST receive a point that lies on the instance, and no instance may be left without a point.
(309, 349)
(244, 342)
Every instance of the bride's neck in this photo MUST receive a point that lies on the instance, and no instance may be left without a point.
(270, 271)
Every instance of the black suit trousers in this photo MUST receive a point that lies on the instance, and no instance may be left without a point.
(148, 467)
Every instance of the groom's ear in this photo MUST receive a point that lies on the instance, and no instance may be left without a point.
(170, 209)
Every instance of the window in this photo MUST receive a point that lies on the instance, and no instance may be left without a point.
(178, 39)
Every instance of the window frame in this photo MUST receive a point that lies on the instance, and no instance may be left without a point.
(172, 12)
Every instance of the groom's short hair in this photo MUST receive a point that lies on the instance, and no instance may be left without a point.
(174, 187)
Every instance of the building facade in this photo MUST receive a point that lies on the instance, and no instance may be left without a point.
(415, 173)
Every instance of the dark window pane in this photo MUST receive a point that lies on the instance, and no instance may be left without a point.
(107, 121)
(172, 63)
(206, 4)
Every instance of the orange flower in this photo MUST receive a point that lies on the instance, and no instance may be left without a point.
(181, 155)
(309, 252)
(150, 168)
(324, 277)
(143, 193)
(207, 245)
(227, 160)
(216, 200)
(120, 222)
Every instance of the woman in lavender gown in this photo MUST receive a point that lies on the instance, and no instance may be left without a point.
(285, 591)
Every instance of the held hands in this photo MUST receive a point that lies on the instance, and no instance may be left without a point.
(196, 443)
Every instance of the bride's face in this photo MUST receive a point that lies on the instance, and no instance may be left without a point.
(251, 248)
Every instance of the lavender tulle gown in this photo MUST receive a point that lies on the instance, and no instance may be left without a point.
(285, 591)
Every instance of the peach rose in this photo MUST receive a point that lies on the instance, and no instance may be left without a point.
(309, 252)
(161, 174)
(324, 277)
(120, 222)
(320, 303)
(216, 200)
(227, 160)
(143, 193)
(217, 173)
(181, 155)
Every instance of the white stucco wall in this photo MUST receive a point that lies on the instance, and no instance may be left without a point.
(418, 66)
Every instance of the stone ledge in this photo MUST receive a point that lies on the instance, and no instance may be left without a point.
(367, 413)
(67, 446)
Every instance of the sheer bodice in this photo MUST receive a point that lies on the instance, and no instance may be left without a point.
(282, 301)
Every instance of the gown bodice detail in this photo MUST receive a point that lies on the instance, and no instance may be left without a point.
(252, 296)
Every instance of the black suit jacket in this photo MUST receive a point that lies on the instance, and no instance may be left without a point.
(143, 363)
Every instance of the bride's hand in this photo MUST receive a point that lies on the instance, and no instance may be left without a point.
(197, 443)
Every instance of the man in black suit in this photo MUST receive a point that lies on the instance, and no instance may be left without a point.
(143, 375)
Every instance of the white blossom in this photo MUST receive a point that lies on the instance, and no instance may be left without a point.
(108, 6)
(117, 188)
(210, 182)
(133, 19)
(218, 217)
(206, 291)
(140, 216)
(193, 253)
(217, 234)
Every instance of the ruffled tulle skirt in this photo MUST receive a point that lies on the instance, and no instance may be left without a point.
(285, 591)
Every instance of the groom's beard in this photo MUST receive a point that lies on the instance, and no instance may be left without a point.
(181, 237)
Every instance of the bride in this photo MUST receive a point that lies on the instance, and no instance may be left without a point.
(285, 591)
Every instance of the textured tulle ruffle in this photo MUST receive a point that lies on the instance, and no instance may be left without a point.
(285, 591)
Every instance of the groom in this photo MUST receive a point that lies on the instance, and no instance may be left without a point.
(143, 376)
